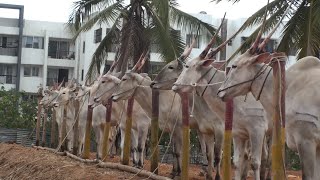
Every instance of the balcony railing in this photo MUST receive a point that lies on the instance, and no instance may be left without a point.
(9, 51)
(61, 54)
(7, 79)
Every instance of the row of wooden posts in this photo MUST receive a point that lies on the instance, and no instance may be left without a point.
(278, 138)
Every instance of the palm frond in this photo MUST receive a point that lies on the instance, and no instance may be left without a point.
(106, 16)
(190, 23)
(101, 53)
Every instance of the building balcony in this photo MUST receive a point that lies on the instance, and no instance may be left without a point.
(7, 79)
(9, 51)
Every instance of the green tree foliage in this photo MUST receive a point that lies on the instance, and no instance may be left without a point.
(16, 112)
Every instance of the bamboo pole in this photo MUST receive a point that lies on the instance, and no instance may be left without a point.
(44, 133)
(127, 136)
(226, 162)
(86, 151)
(185, 136)
(53, 128)
(76, 129)
(154, 132)
(38, 121)
(105, 142)
(278, 171)
(64, 130)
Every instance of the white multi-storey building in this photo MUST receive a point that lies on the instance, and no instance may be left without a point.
(46, 53)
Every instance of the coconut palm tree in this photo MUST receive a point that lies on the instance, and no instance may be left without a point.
(135, 25)
(301, 32)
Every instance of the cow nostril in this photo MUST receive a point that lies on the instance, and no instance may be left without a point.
(153, 83)
(95, 99)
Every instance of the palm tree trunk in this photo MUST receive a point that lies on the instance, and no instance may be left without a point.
(309, 35)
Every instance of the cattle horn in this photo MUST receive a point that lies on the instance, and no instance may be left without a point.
(256, 42)
(137, 66)
(188, 50)
(59, 87)
(205, 51)
(143, 61)
(267, 39)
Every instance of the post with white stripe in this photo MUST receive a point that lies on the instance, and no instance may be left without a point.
(105, 143)
(127, 136)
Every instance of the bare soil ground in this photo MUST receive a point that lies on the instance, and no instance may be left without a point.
(18, 162)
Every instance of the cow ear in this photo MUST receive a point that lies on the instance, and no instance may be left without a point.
(144, 75)
(262, 58)
(206, 62)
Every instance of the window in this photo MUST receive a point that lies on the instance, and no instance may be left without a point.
(82, 73)
(32, 42)
(60, 49)
(33, 71)
(7, 74)
(84, 47)
(97, 35)
(189, 40)
(27, 71)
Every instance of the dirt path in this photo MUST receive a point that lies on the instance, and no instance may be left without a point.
(18, 162)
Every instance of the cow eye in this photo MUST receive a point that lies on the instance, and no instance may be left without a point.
(124, 79)
(186, 66)
(64, 93)
(170, 67)
(234, 66)
(103, 82)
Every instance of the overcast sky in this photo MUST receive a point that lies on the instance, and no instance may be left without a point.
(59, 10)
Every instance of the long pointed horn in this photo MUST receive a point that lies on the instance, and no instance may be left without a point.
(205, 51)
(267, 39)
(188, 50)
(114, 64)
(256, 42)
(143, 61)
(59, 87)
(135, 67)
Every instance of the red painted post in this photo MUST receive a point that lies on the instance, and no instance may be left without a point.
(154, 131)
(106, 130)
(277, 165)
(226, 163)
(86, 150)
(185, 136)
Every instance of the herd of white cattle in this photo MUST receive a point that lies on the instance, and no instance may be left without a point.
(209, 87)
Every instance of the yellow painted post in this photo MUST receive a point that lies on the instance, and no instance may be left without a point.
(76, 129)
(154, 131)
(277, 167)
(53, 128)
(38, 121)
(44, 133)
(226, 162)
(185, 136)
(86, 150)
(106, 130)
(127, 136)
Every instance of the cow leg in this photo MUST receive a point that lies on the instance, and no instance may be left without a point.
(210, 151)
(134, 146)
(318, 162)
(122, 130)
(219, 133)
(203, 144)
(81, 140)
(239, 156)
(264, 158)
(307, 153)
(177, 140)
(143, 133)
(256, 145)
(96, 130)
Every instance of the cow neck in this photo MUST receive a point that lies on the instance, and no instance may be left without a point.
(143, 95)
(70, 108)
(210, 94)
(267, 89)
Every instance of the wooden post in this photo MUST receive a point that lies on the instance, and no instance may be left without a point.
(226, 162)
(38, 121)
(154, 131)
(278, 171)
(64, 130)
(76, 129)
(127, 136)
(185, 136)
(53, 128)
(105, 142)
(86, 151)
(44, 133)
